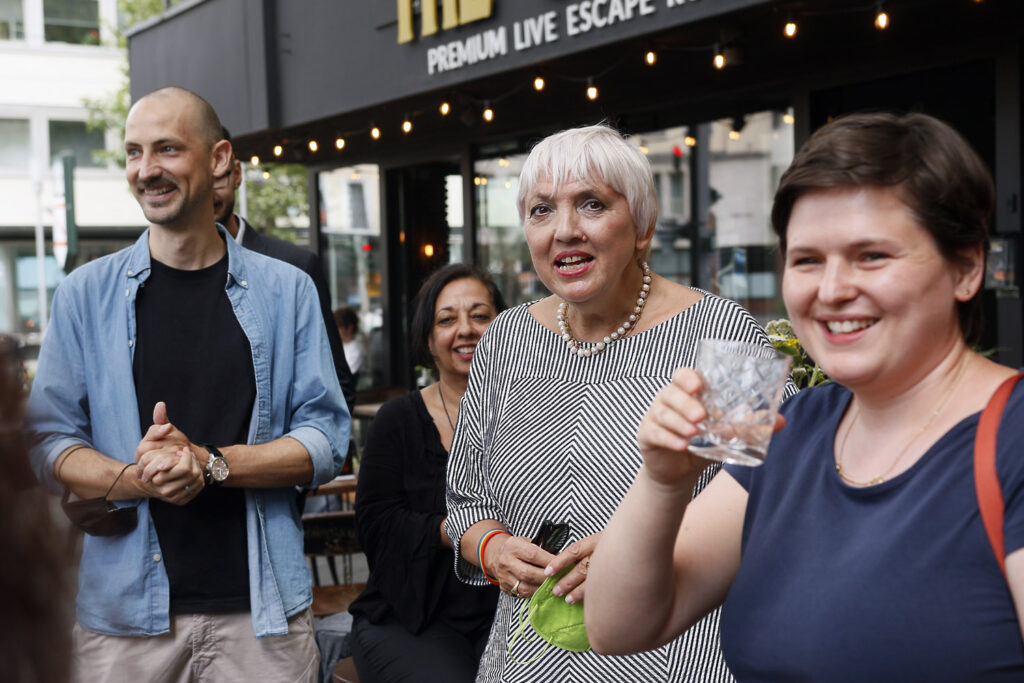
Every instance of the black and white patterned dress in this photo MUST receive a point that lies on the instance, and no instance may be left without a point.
(544, 434)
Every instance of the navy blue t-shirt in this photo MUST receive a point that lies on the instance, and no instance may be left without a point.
(893, 582)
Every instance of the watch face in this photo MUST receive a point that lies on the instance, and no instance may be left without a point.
(218, 469)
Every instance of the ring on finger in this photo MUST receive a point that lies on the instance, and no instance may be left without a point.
(188, 490)
(515, 590)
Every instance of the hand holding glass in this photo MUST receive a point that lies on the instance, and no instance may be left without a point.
(743, 385)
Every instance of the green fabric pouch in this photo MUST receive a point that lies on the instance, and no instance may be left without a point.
(557, 622)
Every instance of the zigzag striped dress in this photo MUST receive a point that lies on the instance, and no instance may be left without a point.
(543, 434)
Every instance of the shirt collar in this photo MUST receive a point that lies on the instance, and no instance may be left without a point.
(139, 263)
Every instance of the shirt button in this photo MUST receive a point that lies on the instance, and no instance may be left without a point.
(244, 283)
(127, 292)
(156, 557)
(131, 342)
(130, 273)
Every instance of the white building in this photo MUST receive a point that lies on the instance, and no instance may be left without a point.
(53, 54)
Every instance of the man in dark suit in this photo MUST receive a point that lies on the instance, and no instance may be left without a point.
(224, 188)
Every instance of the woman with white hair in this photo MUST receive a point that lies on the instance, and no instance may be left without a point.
(557, 389)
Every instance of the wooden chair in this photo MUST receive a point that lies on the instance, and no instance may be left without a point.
(328, 534)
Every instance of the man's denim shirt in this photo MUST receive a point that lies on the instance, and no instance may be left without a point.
(84, 393)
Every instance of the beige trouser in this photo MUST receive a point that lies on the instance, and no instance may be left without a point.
(219, 648)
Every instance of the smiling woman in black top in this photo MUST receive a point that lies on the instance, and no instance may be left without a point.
(414, 616)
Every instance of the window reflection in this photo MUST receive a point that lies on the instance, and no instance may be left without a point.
(351, 233)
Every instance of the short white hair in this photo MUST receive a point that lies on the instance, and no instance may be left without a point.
(591, 154)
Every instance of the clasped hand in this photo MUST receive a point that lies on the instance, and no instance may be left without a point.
(167, 463)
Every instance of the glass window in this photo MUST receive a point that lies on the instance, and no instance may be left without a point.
(15, 148)
(350, 218)
(748, 155)
(501, 243)
(669, 155)
(76, 138)
(72, 21)
(12, 20)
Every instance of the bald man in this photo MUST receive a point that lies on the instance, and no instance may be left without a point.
(189, 381)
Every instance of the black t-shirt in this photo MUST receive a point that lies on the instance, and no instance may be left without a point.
(191, 353)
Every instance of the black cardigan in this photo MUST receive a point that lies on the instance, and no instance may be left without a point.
(400, 502)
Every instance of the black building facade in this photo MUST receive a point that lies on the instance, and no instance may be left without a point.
(718, 93)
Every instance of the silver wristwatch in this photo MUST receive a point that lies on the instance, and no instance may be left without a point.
(217, 469)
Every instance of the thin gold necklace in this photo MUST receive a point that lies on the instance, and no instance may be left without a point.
(444, 405)
(880, 478)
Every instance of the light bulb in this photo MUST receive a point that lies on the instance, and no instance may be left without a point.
(488, 114)
(313, 146)
(339, 143)
(790, 29)
(719, 60)
(375, 133)
(445, 108)
(591, 92)
(538, 83)
(881, 19)
(278, 150)
(254, 160)
(650, 57)
(406, 126)
(690, 141)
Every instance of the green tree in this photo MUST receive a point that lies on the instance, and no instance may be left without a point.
(276, 199)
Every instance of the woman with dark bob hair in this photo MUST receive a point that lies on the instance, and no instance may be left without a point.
(415, 620)
(857, 552)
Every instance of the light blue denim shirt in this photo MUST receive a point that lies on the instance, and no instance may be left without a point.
(84, 393)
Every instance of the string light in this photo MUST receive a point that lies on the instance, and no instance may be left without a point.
(650, 57)
(788, 118)
(428, 250)
(790, 29)
(266, 175)
(690, 141)
(254, 160)
(719, 59)
(476, 180)
(881, 18)
(375, 133)
(734, 135)
(538, 82)
(278, 150)
(644, 149)
(503, 162)
(313, 146)
(445, 108)
(591, 89)
(406, 126)
(339, 143)
(488, 113)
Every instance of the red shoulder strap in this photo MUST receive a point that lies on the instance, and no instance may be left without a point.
(986, 481)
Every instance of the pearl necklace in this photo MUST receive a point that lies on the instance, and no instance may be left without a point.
(623, 329)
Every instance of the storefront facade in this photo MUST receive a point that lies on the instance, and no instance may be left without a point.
(451, 89)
